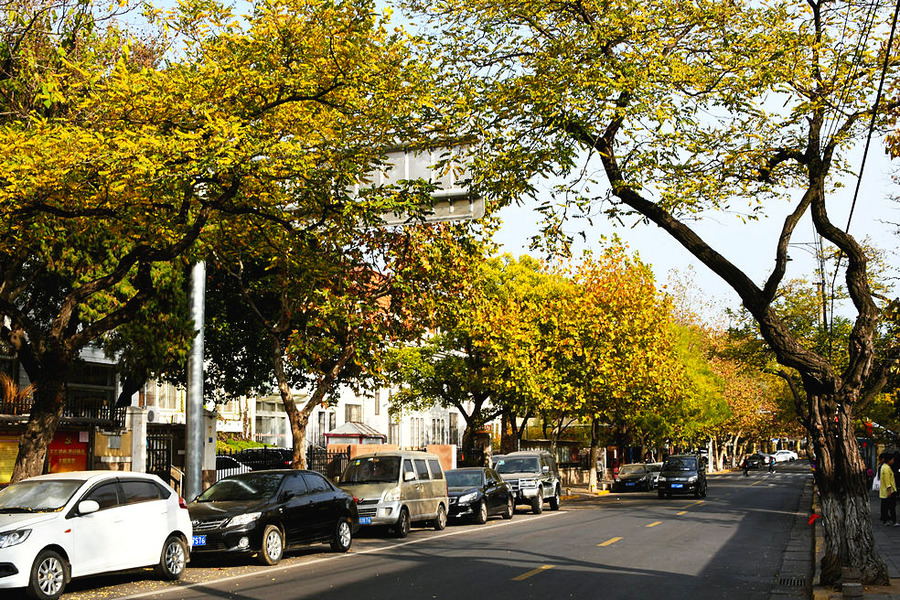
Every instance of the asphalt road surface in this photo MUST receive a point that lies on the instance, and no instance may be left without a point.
(617, 546)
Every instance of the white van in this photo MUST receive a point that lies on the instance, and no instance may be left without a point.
(398, 488)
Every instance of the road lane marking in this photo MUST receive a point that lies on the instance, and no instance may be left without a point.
(654, 524)
(756, 482)
(609, 542)
(678, 514)
(348, 556)
(532, 573)
(695, 503)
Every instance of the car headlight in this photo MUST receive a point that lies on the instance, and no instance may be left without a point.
(243, 519)
(392, 495)
(467, 498)
(692, 479)
(660, 478)
(11, 538)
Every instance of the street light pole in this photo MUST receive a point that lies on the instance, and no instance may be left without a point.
(193, 483)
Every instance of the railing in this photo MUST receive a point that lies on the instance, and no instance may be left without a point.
(74, 409)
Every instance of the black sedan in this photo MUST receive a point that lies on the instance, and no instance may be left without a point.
(264, 512)
(756, 461)
(479, 492)
(635, 478)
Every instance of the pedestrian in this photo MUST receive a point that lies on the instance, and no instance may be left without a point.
(887, 491)
(771, 460)
(745, 464)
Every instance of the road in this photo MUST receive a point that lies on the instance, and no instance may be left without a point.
(617, 546)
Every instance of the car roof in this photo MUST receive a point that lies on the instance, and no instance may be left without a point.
(400, 453)
(468, 469)
(524, 453)
(92, 475)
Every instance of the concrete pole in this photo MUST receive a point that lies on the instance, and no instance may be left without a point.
(194, 421)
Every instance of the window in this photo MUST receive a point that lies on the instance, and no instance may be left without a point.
(332, 421)
(295, 484)
(378, 401)
(106, 495)
(316, 483)
(454, 428)
(353, 413)
(408, 468)
(139, 491)
(422, 470)
(436, 472)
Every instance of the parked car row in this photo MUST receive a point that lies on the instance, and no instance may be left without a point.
(59, 526)
(637, 477)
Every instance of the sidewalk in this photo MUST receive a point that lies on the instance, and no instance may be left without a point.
(887, 541)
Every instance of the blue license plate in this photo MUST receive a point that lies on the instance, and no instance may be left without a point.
(365, 520)
(677, 485)
(199, 540)
(631, 483)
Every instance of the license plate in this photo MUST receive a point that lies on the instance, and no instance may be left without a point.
(631, 483)
(365, 520)
(677, 485)
(199, 540)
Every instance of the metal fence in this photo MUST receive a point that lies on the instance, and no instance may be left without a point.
(330, 463)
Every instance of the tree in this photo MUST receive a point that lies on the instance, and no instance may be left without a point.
(690, 109)
(127, 143)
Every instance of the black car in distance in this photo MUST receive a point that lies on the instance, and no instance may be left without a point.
(264, 512)
(683, 474)
(479, 492)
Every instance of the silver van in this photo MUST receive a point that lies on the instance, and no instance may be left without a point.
(397, 489)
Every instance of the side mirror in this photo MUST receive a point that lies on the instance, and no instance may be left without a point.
(408, 476)
(86, 507)
(287, 495)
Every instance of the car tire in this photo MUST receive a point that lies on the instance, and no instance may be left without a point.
(272, 546)
(401, 529)
(481, 514)
(510, 508)
(172, 559)
(49, 575)
(440, 521)
(343, 536)
(554, 501)
(537, 503)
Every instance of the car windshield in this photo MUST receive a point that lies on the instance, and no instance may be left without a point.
(518, 465)
(38, 496)
(681, 464)
(249, 486)
(464, 478)
(632, 470)
(372, 469)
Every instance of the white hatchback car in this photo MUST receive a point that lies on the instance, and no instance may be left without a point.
(59, 526)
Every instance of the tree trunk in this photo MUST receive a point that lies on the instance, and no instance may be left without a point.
(508, 432)
(843, 490)
(46, 412)
(593, 478)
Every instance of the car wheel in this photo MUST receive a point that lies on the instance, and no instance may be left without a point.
(272, 546)
(510, 508)
(401, 529)
(343, 536)
(537, 504)
(49, 575)
(172, 559)
(554, 501)
(440, 521)
(481, 515)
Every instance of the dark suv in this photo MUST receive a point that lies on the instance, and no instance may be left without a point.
(533, 476)
(683, 474)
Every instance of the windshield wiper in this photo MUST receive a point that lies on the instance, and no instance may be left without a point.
(18, 509)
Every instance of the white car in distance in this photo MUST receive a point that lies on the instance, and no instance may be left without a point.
(785, 455)
(59, 526)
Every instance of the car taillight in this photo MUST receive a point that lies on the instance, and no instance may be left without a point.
(182, 503)
(355, 500)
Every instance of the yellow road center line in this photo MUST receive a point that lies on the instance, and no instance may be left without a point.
(756, 482)
(609, 542)
(678, 514)
(531, 573)
(654, 524)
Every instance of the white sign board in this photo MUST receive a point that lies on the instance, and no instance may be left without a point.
(446, 169)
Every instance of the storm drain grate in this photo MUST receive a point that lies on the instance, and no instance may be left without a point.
(792, 581)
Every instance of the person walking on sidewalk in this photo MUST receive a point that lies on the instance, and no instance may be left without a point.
(888, 491)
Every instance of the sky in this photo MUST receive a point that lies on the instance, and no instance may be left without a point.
(750, 246)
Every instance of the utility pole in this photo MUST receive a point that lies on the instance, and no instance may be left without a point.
(193, 483)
